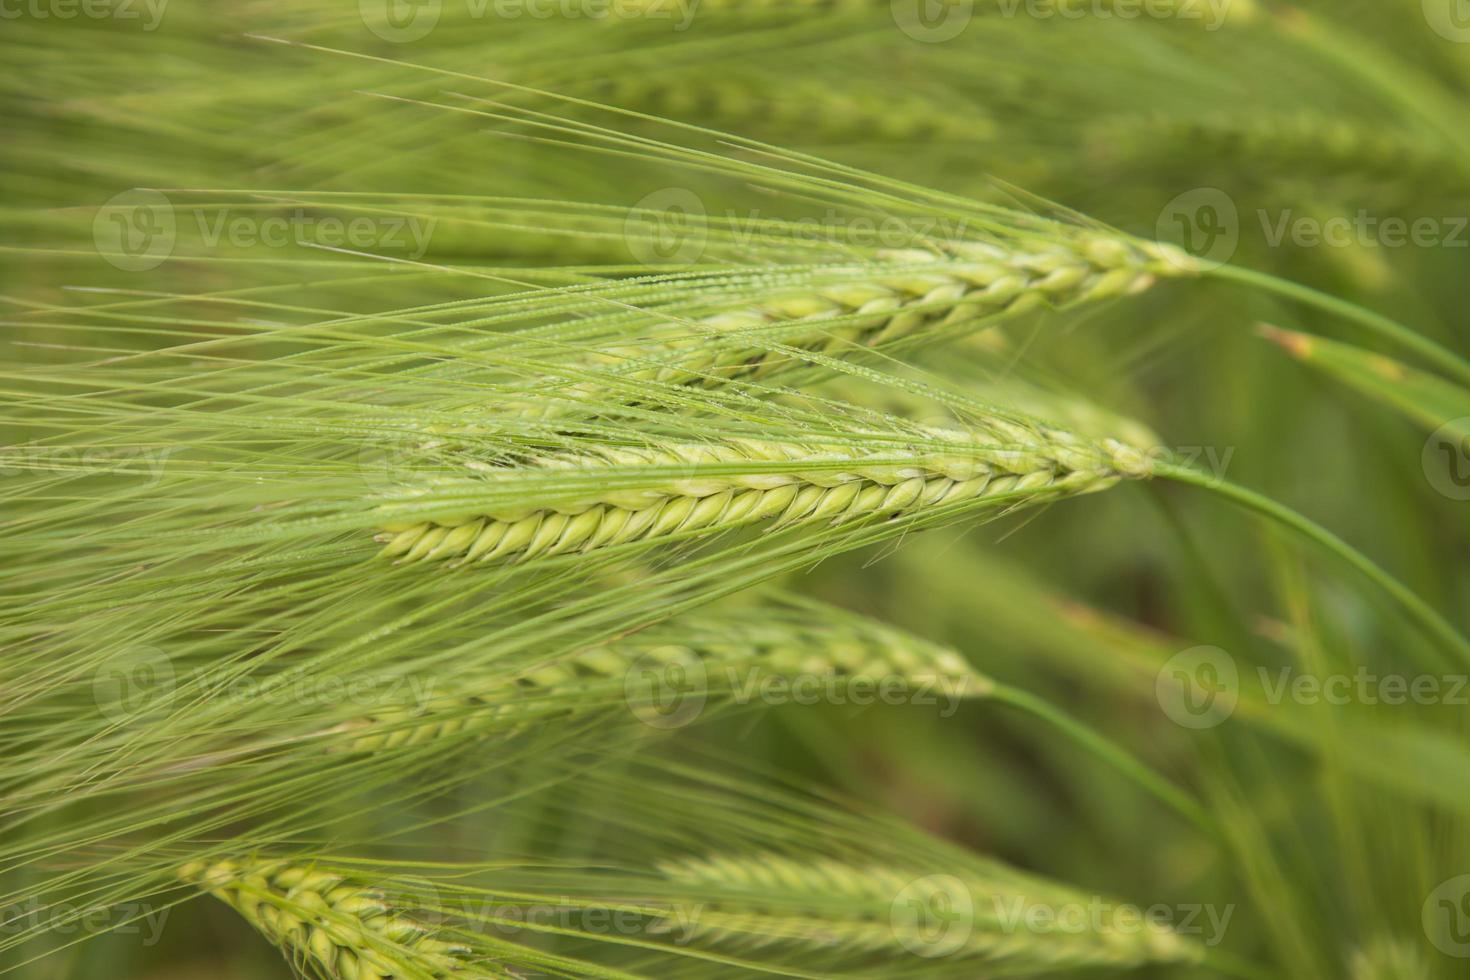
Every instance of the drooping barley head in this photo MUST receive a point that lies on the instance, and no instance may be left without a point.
(341, 927)
(907, 294)
(658, 492)
(717, 655)
(758, 900)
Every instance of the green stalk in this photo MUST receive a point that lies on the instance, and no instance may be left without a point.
(1420, 611)
(1379, 324)
(1111, 753)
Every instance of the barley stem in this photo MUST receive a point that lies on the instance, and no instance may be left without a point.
(1420, 611)
(1111, 753)
(1379, 324)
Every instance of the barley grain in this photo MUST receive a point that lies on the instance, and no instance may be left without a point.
(908, 293)
(338, 925)
(764, 899)
(817, 642)
(737, 483)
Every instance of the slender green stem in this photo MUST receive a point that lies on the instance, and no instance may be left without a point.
(1111, 753)
(1383, 326)
(1420, 611)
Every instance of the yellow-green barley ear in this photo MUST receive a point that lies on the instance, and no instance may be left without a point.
(732, 484)
(339, 926)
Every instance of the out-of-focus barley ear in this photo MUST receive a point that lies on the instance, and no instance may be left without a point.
(764, 899)
(1388, 959)
(807, 639)
(1296, 144)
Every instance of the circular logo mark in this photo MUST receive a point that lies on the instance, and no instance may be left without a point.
(667, 227)
(666, 687)
(132, 684)
(932, 21)
(1199, 687)
(135, 230)
(397, 459)
(400, 21)
(423, 903)
(933, 916)
(1446, 459)
(1446, 917)
(1450, 19)
(1205, 223)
